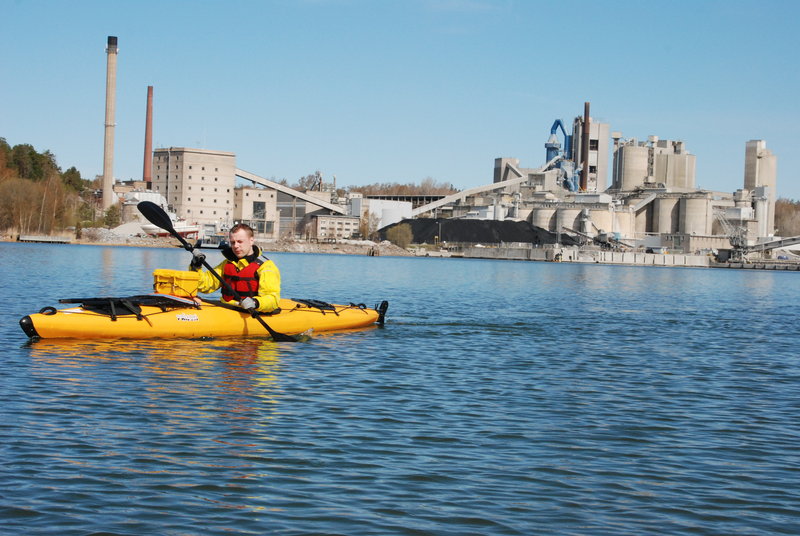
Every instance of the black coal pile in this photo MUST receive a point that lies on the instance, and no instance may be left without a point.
(425, 231)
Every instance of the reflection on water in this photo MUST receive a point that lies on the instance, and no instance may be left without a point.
(246, 370)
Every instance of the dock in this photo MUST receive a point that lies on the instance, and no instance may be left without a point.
(759, 265)
(45, 239)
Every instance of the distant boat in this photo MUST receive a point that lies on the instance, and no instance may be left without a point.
(181, 226)
(213, 237)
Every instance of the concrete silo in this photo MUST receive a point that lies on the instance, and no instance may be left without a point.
(568, 217)
(544, 218)
(633, 166)
(696, 215)
(667, 215)
(603, 219)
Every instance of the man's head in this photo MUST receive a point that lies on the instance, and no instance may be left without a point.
(241, 240)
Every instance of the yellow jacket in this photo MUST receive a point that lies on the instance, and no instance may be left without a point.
(269, 279)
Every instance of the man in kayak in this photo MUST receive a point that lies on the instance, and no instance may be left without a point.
(253, 276)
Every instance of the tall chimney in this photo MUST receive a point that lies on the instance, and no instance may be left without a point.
(108, 146)
(585, 149)
(147, 174)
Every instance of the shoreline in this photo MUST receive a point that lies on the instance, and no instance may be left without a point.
(367, 248)
(387, 249)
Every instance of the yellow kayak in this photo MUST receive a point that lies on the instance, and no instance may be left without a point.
(167, 316)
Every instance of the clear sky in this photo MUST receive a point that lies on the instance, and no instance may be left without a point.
(398, 91)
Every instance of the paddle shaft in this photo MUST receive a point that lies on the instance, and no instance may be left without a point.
(158, 217)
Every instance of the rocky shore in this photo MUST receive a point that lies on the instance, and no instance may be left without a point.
(126, 235)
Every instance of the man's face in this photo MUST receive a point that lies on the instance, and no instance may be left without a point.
(242, 243)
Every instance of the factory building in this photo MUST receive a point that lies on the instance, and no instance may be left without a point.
(597, 152)
(760, 179)
(198, 184)
(334, 227)
(381, 212)
(654, 164)
(652, 201)
(258, 208)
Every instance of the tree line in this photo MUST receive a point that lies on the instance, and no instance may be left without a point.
(36, 196)
(428, 186)
(787, 217)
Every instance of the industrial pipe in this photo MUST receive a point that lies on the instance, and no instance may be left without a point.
(147, 172)
(585, 148)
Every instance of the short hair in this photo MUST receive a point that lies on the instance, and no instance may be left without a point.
(241, 227)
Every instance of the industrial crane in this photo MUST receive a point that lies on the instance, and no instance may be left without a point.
(562, 159)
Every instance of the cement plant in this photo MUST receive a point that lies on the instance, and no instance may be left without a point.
(600, 196)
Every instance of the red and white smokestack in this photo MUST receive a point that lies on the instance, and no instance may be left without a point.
(147, 174)
(108, 147)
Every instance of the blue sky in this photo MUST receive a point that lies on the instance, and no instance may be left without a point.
(398, 91)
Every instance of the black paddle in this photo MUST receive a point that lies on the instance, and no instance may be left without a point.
(159, 218)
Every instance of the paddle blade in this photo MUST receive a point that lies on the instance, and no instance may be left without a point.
(156, 215)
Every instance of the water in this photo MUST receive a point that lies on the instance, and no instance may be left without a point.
(500, 398)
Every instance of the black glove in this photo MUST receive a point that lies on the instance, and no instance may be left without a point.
(197, 260)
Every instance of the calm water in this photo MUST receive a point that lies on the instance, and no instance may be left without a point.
(500, 398)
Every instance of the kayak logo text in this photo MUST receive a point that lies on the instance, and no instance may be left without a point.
(186, 318)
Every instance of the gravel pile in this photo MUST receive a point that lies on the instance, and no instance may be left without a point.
(123, 236)
(346, 247)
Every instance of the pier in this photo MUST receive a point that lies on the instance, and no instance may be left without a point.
(45, 239)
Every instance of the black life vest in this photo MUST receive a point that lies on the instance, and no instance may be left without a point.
(244, 281)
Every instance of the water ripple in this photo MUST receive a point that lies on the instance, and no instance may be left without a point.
(579, 400)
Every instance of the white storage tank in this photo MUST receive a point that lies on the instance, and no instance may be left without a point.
(603, 219)
(695, 216)
(569, 217)
(544, 218)
(667, 215)
(634, 166)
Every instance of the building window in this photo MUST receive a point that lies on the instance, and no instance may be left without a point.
(259, 210)
(594, 144)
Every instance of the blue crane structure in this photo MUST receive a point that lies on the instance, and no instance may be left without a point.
(563, 160)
